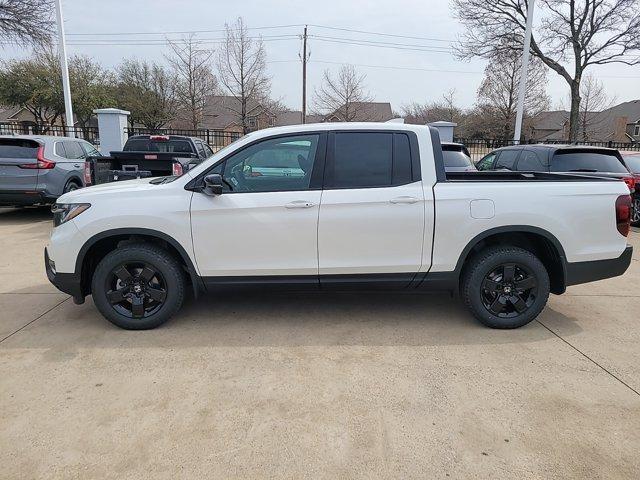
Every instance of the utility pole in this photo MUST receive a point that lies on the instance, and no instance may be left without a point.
(62, 51)
(304, 75)
(522, 88)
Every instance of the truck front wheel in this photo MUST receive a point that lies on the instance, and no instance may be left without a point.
(505, 287)
(138, 286)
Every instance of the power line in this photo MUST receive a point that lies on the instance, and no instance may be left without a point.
(179, 32)
(382, 34)
(365, 44)
(392, 67)
(376, 42)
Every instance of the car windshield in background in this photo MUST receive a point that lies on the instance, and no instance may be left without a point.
(18, 148)
(633, 162)
(455, 158)
(586, 162)
(167, 146)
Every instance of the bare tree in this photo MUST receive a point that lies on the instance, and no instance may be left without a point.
(578, 33)
(241, 66)
(594, 100)
(344, 97)
(434, 111)
(25, 22)
(191, 65)
(498, 92)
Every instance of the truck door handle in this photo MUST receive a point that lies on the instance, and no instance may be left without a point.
(299, 204)
(404, 200)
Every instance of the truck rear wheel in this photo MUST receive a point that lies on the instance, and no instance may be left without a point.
(505, 287)
(138, 286)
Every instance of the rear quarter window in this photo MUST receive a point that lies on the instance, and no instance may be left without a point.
(576, 161)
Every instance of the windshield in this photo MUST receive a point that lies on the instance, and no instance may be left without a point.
(586, 162)
(455, 158)
(194, 171)
(633, 162)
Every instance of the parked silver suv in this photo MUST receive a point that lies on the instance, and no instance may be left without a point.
(37, 169)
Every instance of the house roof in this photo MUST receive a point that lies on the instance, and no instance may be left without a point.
(603, 123)
(7, 113)
(220, 111)
(365, 112)
(552, 120)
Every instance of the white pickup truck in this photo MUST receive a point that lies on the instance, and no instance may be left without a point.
(335, 206)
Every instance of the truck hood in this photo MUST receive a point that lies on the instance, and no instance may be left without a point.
(113, 188)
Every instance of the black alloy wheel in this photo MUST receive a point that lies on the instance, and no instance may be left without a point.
(509, 290)
(136, 289)
(505, 286)
(138, 286)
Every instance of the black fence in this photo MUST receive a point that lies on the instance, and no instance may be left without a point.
(216, 139)
(90, 134)
(479, 147)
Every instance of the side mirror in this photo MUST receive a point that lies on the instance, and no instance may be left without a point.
(213, 184)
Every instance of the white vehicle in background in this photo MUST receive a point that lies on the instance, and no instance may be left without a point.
(371, 206)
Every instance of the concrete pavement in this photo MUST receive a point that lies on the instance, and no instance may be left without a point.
(313, 386)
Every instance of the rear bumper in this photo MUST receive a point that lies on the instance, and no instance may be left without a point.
(584, 272)
(17, 198)
(65, 282)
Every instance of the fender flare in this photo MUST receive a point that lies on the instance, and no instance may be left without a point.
(195, 278)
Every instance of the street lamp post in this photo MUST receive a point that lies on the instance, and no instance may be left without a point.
(522, 87)
(62, 51)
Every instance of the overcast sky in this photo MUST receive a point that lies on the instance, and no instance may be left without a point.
(400, 75)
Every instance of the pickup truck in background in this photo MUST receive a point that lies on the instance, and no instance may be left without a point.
(578, 159)
(146, 156)
(370, 206)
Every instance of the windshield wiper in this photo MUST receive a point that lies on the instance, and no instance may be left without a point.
(161, 180)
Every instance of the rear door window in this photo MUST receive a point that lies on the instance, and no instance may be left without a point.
(73, 150)
(507, 159)
(59, 150)
(530, 162)
(362, 160)
(576, 161)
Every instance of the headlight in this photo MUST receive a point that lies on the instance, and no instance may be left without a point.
(63, 212)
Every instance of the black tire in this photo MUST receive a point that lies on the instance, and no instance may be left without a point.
(505, 287)
(152, 279)
(71, 186)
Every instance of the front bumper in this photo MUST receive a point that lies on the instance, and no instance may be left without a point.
(584, 272)
(65, 282)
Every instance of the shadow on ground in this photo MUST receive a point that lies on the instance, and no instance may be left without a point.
(283, 320)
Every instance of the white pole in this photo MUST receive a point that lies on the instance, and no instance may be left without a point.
(522, 88)
(62, 51)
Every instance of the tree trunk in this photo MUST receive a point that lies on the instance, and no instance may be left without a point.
(574, 115)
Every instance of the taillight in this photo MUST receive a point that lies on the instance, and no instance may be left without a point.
(41, 162)
(623, 214)
(159, 138)
(87, 172)
(631, 183)
(176, 170)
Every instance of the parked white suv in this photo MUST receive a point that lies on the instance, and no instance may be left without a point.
(332, 206)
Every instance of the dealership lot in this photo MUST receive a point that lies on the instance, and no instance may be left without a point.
(321, 386)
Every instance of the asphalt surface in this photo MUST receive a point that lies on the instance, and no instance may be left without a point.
(313, 386)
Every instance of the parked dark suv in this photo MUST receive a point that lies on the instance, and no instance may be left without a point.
(591, 161)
